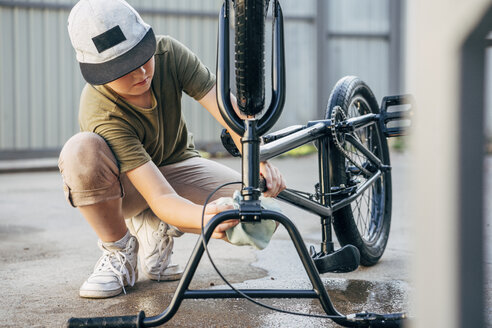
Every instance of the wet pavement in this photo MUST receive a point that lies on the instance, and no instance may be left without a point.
(47, 250)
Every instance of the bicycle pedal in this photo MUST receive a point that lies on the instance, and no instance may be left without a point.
(397, 121)
(345, 259)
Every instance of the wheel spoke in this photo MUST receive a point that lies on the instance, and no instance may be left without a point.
(366, 206)
(368, 216)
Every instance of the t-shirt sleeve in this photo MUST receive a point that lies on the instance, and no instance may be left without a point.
(124, 142)
(195, 78)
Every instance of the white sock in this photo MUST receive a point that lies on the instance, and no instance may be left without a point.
(119, 243)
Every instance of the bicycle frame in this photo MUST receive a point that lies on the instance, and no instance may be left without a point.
(320, 132)
(316, 131)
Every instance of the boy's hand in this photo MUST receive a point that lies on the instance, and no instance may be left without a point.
(213, 209)
(275, 182)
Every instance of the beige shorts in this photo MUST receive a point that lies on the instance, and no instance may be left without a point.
(91, 175)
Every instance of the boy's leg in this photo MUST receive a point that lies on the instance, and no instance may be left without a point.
(94, 185)
(91, 183)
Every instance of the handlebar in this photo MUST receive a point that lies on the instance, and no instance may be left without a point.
(129, 321)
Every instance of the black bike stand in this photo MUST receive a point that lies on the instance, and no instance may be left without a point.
(182, 291)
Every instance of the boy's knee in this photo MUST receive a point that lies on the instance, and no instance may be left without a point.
(88, 167)
(83, 152)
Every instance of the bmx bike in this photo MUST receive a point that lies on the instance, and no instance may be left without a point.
(353, 194)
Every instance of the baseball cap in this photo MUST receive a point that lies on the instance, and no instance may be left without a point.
(110, 39)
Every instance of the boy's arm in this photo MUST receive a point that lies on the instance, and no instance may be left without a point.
(274, 180)
(209, 101)
(169, 206)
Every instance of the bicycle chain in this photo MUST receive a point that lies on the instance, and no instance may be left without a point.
(338, 110)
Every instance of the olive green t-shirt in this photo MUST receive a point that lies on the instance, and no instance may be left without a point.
(137, 135)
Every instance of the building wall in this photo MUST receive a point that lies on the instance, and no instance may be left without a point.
(362, 37)
(488, 95)
(40, 82)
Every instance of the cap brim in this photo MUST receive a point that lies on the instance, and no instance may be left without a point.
(114, 69)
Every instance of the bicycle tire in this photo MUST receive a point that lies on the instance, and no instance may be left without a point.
(250, 55)
(365, 223)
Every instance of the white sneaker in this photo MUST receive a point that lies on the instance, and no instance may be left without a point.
(115, 269)
(156, 242)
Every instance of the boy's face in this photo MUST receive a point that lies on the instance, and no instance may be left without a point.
(135, 83)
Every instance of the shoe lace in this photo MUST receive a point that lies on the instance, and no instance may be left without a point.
(164, 248)
(115, 261)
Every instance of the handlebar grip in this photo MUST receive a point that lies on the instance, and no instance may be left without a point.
(391, 320)
(262, 184)
(130, 321)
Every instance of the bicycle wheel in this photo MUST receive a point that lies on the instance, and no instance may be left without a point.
(365, 223)
(250, 55)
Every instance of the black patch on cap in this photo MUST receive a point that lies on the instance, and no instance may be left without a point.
(109, 39)
(115, 68)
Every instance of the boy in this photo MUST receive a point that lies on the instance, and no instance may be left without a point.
(134, 159)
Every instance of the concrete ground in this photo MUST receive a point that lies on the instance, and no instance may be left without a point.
(47, 250)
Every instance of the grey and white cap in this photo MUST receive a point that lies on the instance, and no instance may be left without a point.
(110, 39)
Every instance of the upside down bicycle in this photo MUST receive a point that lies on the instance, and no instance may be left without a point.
(353, 194)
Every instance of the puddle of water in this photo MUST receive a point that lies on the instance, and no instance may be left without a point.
(347, 296)
(372, 296)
